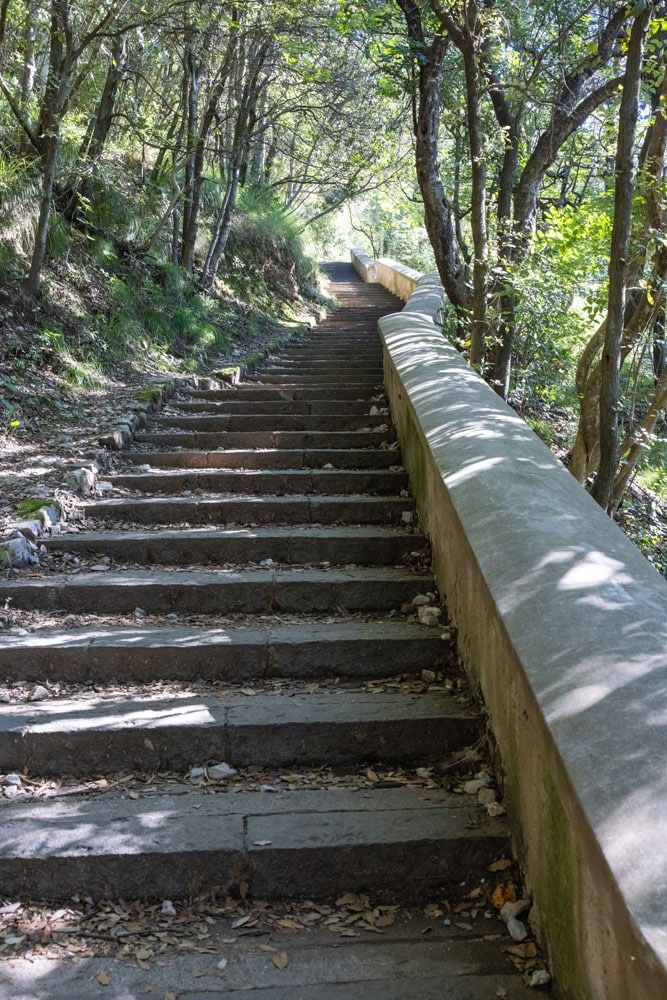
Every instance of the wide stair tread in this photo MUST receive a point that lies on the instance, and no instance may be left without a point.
(363, 545)
(94, 734)
(309, 648)
(222, 590)
(286, 845)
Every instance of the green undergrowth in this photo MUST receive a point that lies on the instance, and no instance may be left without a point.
(30, 507)
(112, 313)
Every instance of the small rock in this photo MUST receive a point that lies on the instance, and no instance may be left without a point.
(168, 908)
(10, 791)
(328, 466)
(510, 910)
(406, 517)
(104, 486)
(421, 600)
(428, 676)
(11, 779)
(517, 930)
(486, 796)
(17, 552)
(172, 617)
(266, 563)
(17, 630)
(540, 977)
(374, 411)
(428, 616)
(473, 786)
(39, 693)
(220, 771)
(197, 772)
(494, 809)
(99, 568)
(139, 613)
(143, 468)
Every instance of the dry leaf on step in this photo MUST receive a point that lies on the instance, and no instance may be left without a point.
(280, 959)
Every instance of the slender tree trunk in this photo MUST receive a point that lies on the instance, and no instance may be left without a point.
(636, 443)
(478, 206)
(55, 98)
(33, 281)
(618, 264)
(29, 60)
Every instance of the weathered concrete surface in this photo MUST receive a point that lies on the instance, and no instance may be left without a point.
(100, 735)
(344, 649)
(288, 845)
(211, 591)
(418, 960)
(353, 544)
(563, 624)
(292, 509)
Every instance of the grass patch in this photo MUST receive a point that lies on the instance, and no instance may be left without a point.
(30, 507)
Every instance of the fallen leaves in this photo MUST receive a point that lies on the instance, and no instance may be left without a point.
(280, 959)
(103, 977)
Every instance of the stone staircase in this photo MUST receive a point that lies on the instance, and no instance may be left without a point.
(243, 596)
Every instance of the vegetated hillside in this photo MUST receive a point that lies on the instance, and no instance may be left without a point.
(109, 316)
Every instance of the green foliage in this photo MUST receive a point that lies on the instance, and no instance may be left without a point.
(30, 507)
(164, 312)
(265, 262)
(59, 237)
(149, 394)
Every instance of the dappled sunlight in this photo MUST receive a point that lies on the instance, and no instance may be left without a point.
(585, 614)
(180, 709)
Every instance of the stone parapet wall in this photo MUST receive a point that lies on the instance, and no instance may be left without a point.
(562, 626)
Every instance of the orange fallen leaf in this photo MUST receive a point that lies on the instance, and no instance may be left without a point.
(503, 893)
(280, 959)
(500, 866)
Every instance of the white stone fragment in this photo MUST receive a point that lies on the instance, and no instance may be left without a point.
(494, 809)
(11, 779)
(39, 693)
(517, 929)
(540, 977)
(513, 909)
(168, 908)
(220, 771)
(428, 616)
(420, 600)
(196, 772)
(473, 786)
(486, 796)
(10, 791)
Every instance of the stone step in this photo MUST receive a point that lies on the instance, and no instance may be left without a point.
(299, 407)
(267, 439)
(249, 591)
(331, 382)
(398, 844)
(99, 734)
(365, 546)
(416, 958)
(320, 353)
(348, 648)
(251, 390)
(344, 370)
(262, 482)
(269, 422)
(265, 458)
(253, 510)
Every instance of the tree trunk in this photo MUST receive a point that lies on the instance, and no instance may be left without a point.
(33, 282)
(618, 264)
(637, 441)
(53, 104)
(478, 206)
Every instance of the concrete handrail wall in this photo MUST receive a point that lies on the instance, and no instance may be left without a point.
(562, 626)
